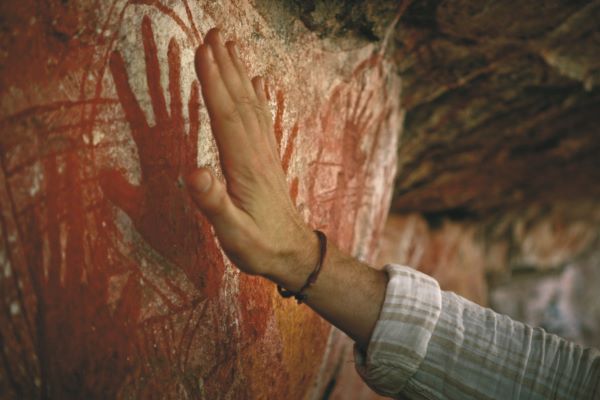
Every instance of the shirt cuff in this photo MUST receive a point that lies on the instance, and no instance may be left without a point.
(399, 342)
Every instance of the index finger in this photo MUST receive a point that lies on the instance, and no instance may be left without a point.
(226, 122)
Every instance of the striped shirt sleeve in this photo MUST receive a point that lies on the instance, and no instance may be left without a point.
(430, 344)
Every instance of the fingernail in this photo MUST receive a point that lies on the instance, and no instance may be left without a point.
(201, 182)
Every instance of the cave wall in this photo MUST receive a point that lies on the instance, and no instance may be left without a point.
(487, 113)
(500, 99)
(498, 162)
(501, 105)
(497, 187)
(538, 265)
(111, 286)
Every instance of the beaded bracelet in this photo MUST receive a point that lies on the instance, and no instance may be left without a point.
(300, 296)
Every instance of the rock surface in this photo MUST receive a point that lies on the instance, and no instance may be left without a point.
(110, 287)
(487, 110)
(498, 177)
(493, 92)
(498, 162)
(501, 104)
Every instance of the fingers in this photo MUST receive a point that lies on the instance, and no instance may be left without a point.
(263, 116)
(258, 84)
(133, 112)
(249, 97)
(153, 72)
(234, 55)
(224, 115)
(235, 80)
(238, 87)
(238, 110)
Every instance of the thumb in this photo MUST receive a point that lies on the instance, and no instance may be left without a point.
(211, 197)
(208, 193)
(236, 230)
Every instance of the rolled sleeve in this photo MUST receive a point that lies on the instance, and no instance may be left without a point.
(429, 344)
(401, 336)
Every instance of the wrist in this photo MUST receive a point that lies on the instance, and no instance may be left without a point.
(296, 260)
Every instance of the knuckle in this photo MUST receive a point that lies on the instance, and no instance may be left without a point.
(232, 115)
(244, 99)
(260, 109)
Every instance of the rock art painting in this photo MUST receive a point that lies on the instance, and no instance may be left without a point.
(111, 284)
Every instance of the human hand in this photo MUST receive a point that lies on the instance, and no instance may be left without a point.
(253, 215)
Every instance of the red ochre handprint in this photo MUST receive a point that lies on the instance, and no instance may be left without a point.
(160, 207)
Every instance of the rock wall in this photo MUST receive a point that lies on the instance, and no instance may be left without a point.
(496, 193)
(111, 286)
(538, 265)
(497, 186)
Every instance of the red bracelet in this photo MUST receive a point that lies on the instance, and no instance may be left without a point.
(300, 296)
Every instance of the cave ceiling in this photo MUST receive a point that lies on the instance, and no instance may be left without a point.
(501, 99)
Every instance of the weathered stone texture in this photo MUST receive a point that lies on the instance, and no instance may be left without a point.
(110, 286)
(539, 263)
(493, 93)
(496, 93)
(105, 292)
(498, 165)
(498, 160)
